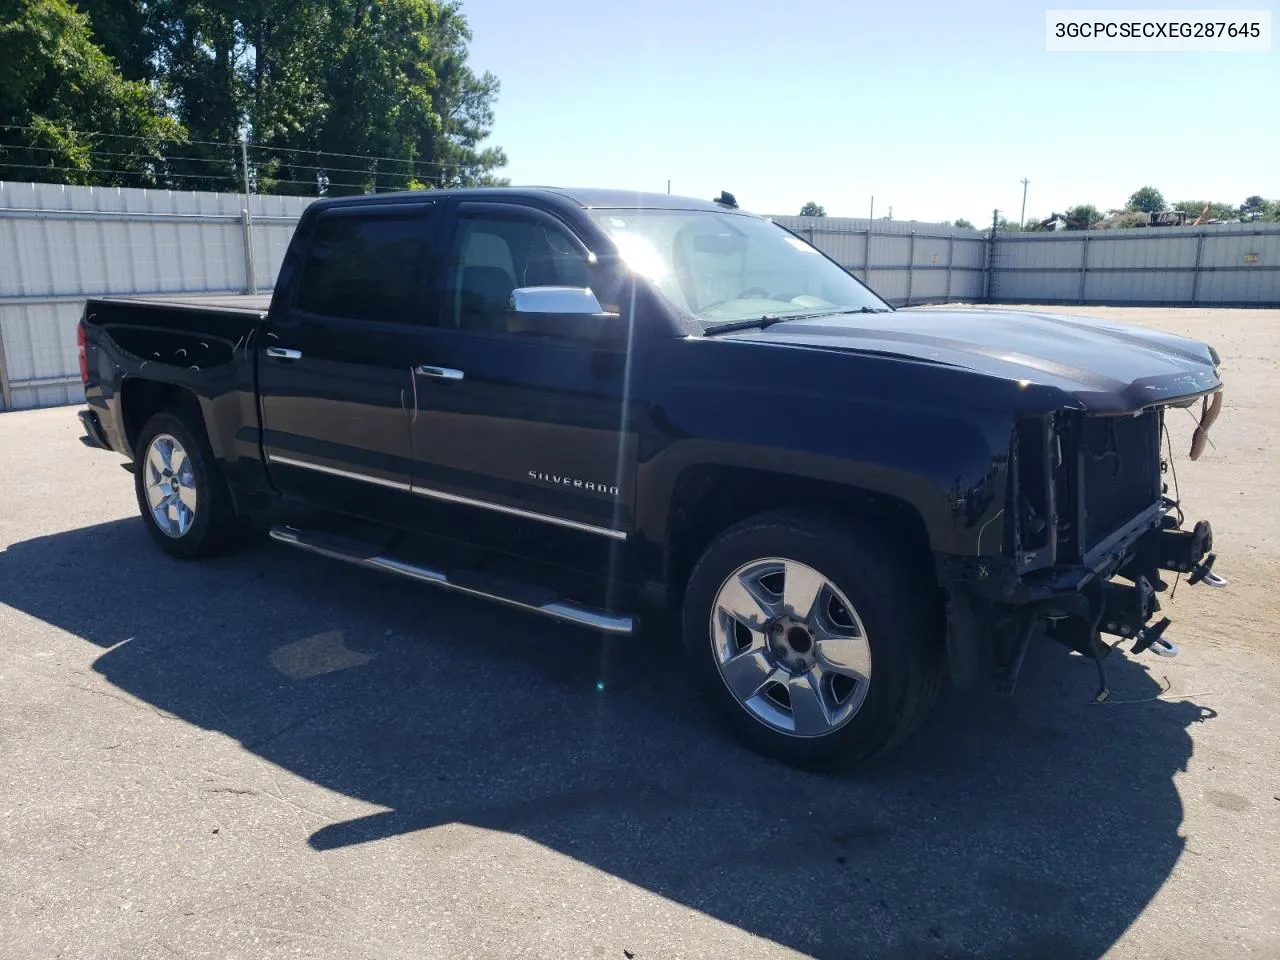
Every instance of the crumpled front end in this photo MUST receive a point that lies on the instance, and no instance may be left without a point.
(1093, 527)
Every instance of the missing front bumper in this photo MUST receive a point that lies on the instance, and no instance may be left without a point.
(993, 616)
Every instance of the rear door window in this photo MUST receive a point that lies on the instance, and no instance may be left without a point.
(366, 267)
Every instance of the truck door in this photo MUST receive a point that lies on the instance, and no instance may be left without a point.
(522, 443)
(334, 367)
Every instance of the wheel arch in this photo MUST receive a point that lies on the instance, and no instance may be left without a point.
(142, 398)
(708, 499)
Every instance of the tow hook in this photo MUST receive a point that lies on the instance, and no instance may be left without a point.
(1151, 637)
(1203, 573)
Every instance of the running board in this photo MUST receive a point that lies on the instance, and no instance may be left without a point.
(474, 584)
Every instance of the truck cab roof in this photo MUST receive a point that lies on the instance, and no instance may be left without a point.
(584, 198)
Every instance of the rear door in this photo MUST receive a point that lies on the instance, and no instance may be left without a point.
(521, 443)
(335, 369)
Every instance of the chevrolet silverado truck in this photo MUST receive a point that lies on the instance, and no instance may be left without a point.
(586, 404)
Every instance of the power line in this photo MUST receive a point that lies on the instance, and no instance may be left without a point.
(163, 158)
(121, 136)
(355, 156)
(228, 162)
(96, 171)
(170, 158)
(232, 144)
(90, 171)
(220, 161)
(377, 173)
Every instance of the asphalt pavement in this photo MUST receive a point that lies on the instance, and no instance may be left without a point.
(274, 755)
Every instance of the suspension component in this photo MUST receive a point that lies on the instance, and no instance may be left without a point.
(1125, 607)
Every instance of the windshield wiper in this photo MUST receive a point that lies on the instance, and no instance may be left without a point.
(771, 318)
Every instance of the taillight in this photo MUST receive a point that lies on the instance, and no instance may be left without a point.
(84, 359)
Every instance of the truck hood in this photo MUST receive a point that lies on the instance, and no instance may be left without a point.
(1105, 366)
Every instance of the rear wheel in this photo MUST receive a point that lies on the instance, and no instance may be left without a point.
(181, 494)
(816, 640)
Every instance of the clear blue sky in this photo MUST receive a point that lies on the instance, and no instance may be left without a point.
(937, 107)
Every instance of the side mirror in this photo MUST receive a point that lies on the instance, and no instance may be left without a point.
(566, 313)
(556, 300)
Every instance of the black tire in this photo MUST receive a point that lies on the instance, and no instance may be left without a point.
(215, 522)
(899, 608)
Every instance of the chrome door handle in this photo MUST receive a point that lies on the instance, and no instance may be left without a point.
(284, 353)
(440, 373)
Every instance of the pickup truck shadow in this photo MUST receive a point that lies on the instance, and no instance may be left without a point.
(1039, 825)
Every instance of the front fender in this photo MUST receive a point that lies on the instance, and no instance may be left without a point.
(951, 475)
(945, 458)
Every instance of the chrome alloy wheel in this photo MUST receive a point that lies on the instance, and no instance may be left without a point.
(170, 484)
(790, 647)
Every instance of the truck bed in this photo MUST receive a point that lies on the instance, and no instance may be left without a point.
(247, 302)
(201, 344)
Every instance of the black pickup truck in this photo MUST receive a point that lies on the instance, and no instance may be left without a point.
(589, 403)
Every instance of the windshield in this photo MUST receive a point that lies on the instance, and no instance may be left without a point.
(725, 268)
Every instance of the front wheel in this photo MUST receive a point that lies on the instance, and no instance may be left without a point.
(817, 643)
(181, 494)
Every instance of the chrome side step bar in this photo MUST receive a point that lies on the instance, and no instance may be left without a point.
(559, 609)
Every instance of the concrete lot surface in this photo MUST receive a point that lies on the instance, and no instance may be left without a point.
(274, 755)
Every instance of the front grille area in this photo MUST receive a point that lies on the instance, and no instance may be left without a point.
(1120, 467)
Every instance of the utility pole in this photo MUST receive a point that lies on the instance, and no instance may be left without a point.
(873, 207)
(668, 186)
(990, 259)
(1023, 216)
(250, 270)
(244, 169)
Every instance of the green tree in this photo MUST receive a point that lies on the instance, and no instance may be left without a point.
(197, 48)
(68, 95)
(122, 28)
(384, 79)
(812, 209)
(962, 222)
(1256, 208)
(1083, 216)
(464, 102)
(395, 84)
(1146, 199)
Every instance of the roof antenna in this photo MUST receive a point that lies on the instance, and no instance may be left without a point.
(727, 199)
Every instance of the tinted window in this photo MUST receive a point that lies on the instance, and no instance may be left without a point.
(495, 255)
(365, 268)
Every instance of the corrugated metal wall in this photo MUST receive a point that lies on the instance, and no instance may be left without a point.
(904, 261)
(1236, 264)
(59, 245)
